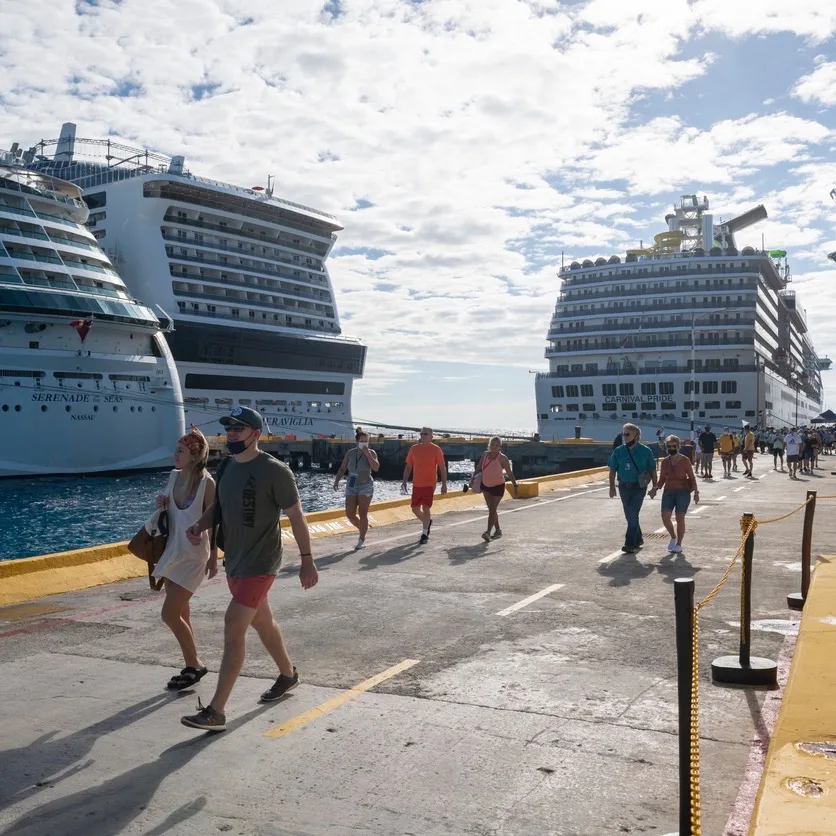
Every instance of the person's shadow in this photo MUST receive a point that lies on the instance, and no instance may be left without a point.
(673, 566)
(459, 555)
(391, 557)
(109, 807)
(624, 570)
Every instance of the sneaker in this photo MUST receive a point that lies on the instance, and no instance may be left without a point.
(424, 540)
(671, 544)
(281, 686)
(675, 548)
(361, 544)
(206, 719)
(627, 550)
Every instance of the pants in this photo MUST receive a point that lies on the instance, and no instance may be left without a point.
(632, 497)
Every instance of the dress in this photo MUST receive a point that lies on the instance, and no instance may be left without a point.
(181, 562)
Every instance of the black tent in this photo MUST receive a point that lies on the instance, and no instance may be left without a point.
(827, 417)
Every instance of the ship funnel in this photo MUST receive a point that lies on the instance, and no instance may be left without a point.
(176, 165)
(66, 143)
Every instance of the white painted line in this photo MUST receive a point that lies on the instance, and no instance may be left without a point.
(661, 530)
(531, 599)
(698, 510)
(610, 557)
(741, 488)
(720, 498)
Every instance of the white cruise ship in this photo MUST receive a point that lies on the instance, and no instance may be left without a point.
(688, 332)
(87, 381)
(243, 273)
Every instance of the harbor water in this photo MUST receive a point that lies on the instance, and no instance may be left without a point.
(46, 515)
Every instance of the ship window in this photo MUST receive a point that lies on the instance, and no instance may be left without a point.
(586, 392)
(648, 388)
(692, 404)
(668, 405)
(732, 404)
(571, 391)
(629, 407)
(130, 377)
(729, 387)
(692, 388)
(573, 407)
(750, 413)
(557, 392)
(589, 407)
(76, 376)
(591, 368)
(666, 388)
(625, 388)
(609, 407)
(649, 406)
(710, 387)
(263, 384)
(557, 407)
(608, 389)
(712, 404)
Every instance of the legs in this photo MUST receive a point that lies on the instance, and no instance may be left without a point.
(423, 513)
(632, 497)
(680, 527)
(271, 637)
(237, 620)
(492, 503)
(666, 521)
(176, 616)
(351, 511)
(363, 503)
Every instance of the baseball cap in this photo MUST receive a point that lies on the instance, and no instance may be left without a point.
(245, 416)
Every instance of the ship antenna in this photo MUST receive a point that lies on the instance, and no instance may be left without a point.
(270, 179)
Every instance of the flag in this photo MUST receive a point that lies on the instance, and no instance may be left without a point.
(82, 327)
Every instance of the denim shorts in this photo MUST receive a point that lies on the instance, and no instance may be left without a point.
(678, 500)
(360, 490)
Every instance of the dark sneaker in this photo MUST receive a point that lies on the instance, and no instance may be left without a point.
(424, 540)
(627, 550)
(206, 719)
(281, 686)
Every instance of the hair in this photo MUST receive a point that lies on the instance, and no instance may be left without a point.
(674, 438)
(359, 432)
(495, 438)
(201, 462)
(427, 429)
(634, 429)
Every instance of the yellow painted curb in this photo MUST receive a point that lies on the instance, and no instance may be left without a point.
(797, 793)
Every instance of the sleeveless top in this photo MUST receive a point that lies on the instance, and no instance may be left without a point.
(181, 562)
(492, 472)
(359, 465)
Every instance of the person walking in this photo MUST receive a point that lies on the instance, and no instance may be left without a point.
(748, 451)
(677, 481)
(493, 467)
(792, 445)
(183, 566)
(425, 463)
(253, 490)
(707, 442)
(635, 467)
(361, 463)
(778, 449)
(736, 451)
(726, 444)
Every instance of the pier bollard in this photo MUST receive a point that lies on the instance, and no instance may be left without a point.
(795, 600)
(745, 669)
(683, 595)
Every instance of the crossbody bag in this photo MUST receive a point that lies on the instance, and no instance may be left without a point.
(644, 476)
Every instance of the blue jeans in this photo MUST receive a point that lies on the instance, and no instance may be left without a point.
(632, 497)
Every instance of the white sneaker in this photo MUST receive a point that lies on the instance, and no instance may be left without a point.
(361, 544)
(675, 548)
(672, 544)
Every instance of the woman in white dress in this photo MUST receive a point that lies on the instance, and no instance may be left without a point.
(190, 491)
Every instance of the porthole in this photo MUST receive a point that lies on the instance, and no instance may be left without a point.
(139, 409)
(43, 408)
(5, 407)
(17, 407)
(127, 385)
(79, 385)
(115, 408)
(68, 408)
(95, 409)
(153, 409)
(133, 409)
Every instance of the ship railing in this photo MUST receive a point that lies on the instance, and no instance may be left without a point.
(660, 370)
(236, 301)
(274, 326)
(252, 286)
(646, 326)
(23, 233)
(631, 342)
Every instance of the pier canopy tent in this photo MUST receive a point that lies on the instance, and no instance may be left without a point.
(827, 417)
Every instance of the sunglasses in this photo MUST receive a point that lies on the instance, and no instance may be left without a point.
(237, 428)
(424, 434)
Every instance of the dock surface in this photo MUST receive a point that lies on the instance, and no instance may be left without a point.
(525, 686)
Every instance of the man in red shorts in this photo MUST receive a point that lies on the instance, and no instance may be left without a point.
(252, 491)
(424, 462)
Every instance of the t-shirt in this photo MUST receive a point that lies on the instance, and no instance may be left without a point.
(726, 443)
(620, 461)
(677, 474)
(749, 443)
(777, 443)
(792, 443)
(707, 441)
(252, 496)
(425, 458)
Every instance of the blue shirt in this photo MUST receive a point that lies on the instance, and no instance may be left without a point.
(620, 462)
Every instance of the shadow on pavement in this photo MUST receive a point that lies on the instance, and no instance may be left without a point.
(390, 557)
(107, 808)
(624, 570)
(676, 566)
(458, 555)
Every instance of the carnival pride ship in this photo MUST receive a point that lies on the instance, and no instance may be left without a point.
(689, 332)
(243, 273)
(87, 381)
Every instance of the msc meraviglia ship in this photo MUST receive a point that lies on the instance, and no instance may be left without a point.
(242, 272)
(691, 331)
(87, 381)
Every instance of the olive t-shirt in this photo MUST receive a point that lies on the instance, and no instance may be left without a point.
(252, 496)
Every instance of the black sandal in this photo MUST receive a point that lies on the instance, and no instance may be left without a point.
(186, 678)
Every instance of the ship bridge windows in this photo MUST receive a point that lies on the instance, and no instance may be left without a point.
(586, 391)
(712, 404)
(609, 390)
(625, 389)
(666, 388)
(729, 387)
(648, 388)
(558, 392)
(589, 407)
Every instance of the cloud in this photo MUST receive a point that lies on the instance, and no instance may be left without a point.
(819, 86)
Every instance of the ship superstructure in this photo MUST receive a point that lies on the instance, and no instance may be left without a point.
(243, 272)
(687, 332)
(87, 382)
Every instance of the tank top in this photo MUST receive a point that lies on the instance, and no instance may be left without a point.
(359, 467)
(492, 472)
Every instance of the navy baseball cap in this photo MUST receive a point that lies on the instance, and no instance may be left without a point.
(245, 416)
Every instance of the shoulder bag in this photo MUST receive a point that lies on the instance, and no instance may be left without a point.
(476, 480)
(644, 476)
(149, 542)
(216, 532)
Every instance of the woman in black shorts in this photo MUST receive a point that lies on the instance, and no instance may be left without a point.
(492, 467)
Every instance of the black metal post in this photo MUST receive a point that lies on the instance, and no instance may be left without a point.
(746, 602)
(683, 593)
(795, 600)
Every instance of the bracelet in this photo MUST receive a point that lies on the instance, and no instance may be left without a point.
(306, 554)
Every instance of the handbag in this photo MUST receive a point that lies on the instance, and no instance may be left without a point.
(149, 543)
(644, 476)
(476, 479)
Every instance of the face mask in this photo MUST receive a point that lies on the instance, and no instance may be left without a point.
(631, 442)
(362, 444)
(672, 451)
(236, 447)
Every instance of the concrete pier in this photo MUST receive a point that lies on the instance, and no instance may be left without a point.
(525, 686)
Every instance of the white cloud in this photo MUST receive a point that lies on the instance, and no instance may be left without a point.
(819, 86)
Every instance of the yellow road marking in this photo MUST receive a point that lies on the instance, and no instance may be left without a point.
(335, 702)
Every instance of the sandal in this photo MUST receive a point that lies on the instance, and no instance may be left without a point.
(186, 678)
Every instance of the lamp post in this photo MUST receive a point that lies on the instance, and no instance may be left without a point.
(797, 379)
(694, 320)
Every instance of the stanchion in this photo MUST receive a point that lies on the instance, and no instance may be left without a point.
(683, 594)
(795, 600)
(745, 669)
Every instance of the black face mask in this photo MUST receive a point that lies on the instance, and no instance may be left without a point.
(672, 451)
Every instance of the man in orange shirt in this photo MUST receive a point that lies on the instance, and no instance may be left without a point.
(424, 462)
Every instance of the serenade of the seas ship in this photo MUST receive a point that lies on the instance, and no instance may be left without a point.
(243, 273)
(691, 331)
(87, 381)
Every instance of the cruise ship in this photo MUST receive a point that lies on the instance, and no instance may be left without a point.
(688, 332)
(87, 381)
(243, 273)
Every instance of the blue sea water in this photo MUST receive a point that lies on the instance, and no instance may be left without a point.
(45, 515)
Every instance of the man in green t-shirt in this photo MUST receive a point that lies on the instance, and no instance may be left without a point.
(252, 491)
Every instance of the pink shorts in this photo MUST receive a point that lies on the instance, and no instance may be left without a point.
(423, 496)
(250, 592)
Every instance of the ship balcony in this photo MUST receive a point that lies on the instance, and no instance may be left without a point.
(63, 241)
(642, 273)
(823, 363)
(255, 300)
(329, 329)
(42, 256)
(14, 212)
(87, 267)
(658, 371)
(565, 314)
(636, 342)
(644, 327)
(669, 290)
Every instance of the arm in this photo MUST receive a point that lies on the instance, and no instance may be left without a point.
(693, 478)
(307, 573)
(506, 464)
(374, 464)
(341, 471)
(203, 524)
(407, 472)
(208, 502)
(663, 478)
(443, 472)
(612, 480)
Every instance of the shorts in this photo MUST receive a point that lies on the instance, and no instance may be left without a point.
(677, 500)
(726, 457)
(778, 451)
(250, 591)
(792, 458)
(810, 453)
(748, 455)
(494, 490)
(423, 496)
(360, 490)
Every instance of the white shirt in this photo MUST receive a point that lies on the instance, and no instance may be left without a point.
(792, 443)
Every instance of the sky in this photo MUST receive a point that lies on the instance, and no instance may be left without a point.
(467, 147)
